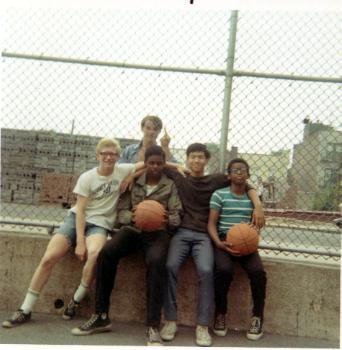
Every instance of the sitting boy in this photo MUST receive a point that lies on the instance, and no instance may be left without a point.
(153, 185)
(229, 206)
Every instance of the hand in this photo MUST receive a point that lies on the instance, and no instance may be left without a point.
(230, 250)
(126, 183)
(81, 250)
(258, 218)
(183, 171)
(165, 140)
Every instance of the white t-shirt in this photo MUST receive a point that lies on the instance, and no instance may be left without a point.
(103, 194)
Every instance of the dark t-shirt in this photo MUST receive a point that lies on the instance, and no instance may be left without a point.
(195, 193)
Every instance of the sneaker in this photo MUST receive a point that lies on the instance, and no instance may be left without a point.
(70, 311)
(97, 323)
(255, 330)
(169, 330)
(17, 319)
(153, 337)
(220, 327)
(203, 337)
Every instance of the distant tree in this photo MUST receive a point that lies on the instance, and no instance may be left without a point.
(327, 199)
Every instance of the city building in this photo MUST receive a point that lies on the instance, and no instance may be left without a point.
(315, 175)
(32, 158)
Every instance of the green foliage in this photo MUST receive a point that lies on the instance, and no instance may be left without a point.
(327, 199)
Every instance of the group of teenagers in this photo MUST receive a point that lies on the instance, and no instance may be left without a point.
(200, 210)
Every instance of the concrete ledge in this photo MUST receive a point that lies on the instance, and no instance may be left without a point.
(302, 299)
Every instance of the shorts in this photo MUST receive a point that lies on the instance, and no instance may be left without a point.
(68, 229)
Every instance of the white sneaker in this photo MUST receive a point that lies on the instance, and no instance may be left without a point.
(169, 330)
(203, 337)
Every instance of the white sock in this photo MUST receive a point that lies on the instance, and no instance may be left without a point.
(29, 301)
(81, 292)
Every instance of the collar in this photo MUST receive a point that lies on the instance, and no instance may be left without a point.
(142, 180)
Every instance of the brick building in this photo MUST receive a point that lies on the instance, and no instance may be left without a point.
(28, 157)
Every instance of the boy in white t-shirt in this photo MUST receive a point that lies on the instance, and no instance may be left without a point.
(85, 228)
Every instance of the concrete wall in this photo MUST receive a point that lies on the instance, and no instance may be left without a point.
(302, 299)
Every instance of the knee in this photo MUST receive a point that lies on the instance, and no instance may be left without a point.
(48, 261)
(258, 275)
(172, 268)
(205, 273)
(93, 253)
(223, 271)
(156, 260)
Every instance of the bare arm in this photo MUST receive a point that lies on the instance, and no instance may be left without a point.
(178, 167)
(128, 181)
(212, 229)
(165, 142)
(81, 250)
(258, 218)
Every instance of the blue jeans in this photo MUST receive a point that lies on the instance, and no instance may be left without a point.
(183, 244)
(68, 229)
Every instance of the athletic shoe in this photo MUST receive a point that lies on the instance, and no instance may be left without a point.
(97, 323)
(203, 337)
(70, 310)
(255, 330)
(169, 330)
(220, 327)
(153, 337)
(18, 318)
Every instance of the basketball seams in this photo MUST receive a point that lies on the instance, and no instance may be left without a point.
(240, 240)
(149, 218)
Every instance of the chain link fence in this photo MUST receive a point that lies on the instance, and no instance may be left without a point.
(262, 86)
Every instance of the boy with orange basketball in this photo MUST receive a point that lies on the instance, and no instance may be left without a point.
(229, 206)
(153, 185)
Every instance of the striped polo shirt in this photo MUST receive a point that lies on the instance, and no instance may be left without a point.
(233, 209)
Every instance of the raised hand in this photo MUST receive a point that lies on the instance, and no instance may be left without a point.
(165, 140)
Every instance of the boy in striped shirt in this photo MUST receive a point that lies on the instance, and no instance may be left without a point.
(229, 206)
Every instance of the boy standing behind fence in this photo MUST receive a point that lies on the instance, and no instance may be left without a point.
(229, 206)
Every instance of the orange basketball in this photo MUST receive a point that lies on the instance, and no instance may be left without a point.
(243, 238)
(149, 215)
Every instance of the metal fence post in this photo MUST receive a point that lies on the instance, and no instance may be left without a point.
(228, 89)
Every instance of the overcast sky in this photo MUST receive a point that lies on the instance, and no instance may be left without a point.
(266, 115)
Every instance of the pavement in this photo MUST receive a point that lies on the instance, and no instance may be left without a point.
(47, 329)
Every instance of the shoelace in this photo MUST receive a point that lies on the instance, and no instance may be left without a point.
(153, 335)
(90, 322)
(72, 304)
(202, 332)
(220, 322)
(169, 327)
(255, 324)
(18, 316)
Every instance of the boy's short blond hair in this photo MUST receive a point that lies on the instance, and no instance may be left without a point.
(108, 142)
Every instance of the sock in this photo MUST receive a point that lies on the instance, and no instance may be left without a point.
(29, 301)
(81, 292)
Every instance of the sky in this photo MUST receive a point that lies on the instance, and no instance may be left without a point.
(260, 119)
(103, 101)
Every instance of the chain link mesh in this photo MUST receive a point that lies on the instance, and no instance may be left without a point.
(98, 73)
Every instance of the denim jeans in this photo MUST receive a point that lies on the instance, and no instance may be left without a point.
(154, 246)
(183, 244)
(224, 270)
